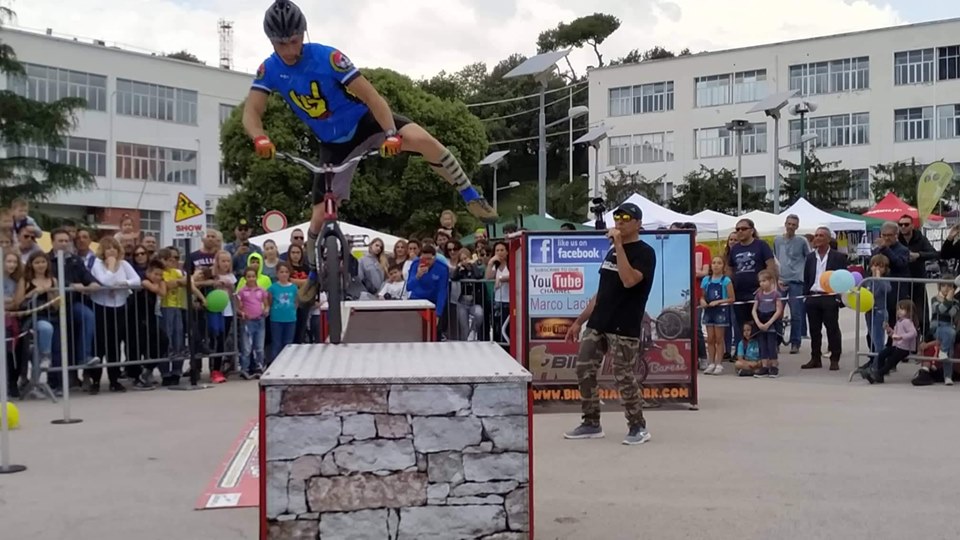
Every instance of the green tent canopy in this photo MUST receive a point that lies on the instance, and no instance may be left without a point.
(872, 223)
(533, 222)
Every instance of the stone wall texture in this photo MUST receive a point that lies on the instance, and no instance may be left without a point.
(394, 462)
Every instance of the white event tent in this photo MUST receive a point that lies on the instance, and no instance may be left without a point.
(725, 224)
(812, 217)
(282, 238)
(656, 216)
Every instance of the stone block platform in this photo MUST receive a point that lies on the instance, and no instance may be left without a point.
(396, 441)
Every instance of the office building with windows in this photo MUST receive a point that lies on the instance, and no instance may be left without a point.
(885, 95)
(151, 126)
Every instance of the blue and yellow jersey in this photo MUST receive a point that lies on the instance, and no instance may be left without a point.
(315, 88)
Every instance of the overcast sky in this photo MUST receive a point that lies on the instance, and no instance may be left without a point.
(421, 37)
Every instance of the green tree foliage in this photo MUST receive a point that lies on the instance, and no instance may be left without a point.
(186, 56)
(717, 190)
(620, 185)
(827, 185)
(401, 195)
(655, 53)
(590, 30)
(900, 177)
(24, 122)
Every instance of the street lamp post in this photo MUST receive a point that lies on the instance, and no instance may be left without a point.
(771, 106)
(494, 160)
(802, 109)
(738, 127)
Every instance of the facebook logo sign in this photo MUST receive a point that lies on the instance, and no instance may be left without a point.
(541, 251)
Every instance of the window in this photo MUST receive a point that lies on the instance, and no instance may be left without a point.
(859, 185)
(713, 142)
(157, 102)
(913, 124)
(151, 223)
(749, 86)
(948, 63)
(713, 90)
(755, 139)
(655, 97)
(913, 67)
(619, 151)
(642, 148)
(211, 220)
(49, 84)
(225, 112)
(836, 130)
(948, 121)
(756, 184)
(666, 191)
(843, 75)
(88, 154)
(225, 179)
(156, 164)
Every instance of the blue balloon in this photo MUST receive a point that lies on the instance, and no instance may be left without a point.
(842, 281)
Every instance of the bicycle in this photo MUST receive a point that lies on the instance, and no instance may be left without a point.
(332, 249)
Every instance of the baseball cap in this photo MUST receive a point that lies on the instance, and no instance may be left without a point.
(631, 210)
(243, 224)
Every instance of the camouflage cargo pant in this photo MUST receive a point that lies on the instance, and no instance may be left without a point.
(593, 347)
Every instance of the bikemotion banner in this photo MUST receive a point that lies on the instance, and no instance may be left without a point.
(562, 272)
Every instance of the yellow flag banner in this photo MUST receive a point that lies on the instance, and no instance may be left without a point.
(933, 182)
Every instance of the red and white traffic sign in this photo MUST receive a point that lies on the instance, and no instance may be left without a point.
(274, 221)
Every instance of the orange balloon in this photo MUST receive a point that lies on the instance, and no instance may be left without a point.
(825, 281)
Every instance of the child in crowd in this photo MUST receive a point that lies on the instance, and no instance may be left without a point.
(173, 306)
(904, 337)
(717, 294)
(767, 311)
(152, 341)
(283, 310)
(944, 309)
(877, 316)
(223, 279)
(253, 309)
(20, 210)
(128, 232)
(748, 353)
(929, 371)
(395, 287)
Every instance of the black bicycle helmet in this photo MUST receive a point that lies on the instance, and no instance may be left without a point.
(283, 20)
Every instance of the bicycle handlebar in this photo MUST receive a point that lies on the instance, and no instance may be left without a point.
(326, 167)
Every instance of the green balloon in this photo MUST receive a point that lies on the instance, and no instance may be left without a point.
(217, 301)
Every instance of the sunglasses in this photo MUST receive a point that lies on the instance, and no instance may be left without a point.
(298, 238)
(905, 224)
(141, 254)
(739, 229)
(622, 218)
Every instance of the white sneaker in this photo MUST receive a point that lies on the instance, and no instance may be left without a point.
(948, 381)
(942, 355)
(709, 369)
(718, 370)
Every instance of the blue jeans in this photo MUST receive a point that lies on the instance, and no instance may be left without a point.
(44, 337)
(172, 321)
(798, 319)
(254, 333)
(878, 337)
(281, 335)
(946, 334)
(84, 331)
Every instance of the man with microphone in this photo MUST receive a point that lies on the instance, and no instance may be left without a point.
(614, 317)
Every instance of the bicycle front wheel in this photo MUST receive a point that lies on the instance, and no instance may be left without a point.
(334, 287)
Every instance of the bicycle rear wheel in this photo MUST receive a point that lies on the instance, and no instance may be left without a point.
(334, 287)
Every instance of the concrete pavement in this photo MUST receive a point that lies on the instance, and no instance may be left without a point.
(806, 456)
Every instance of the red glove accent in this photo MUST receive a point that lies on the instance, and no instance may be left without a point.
(264, 147)
(391, 146)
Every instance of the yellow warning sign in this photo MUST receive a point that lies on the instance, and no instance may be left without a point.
(186, 209)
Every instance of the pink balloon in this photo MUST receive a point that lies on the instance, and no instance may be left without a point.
(857, 278)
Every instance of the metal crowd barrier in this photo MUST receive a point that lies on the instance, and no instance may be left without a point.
(472, 314)
(902, 289)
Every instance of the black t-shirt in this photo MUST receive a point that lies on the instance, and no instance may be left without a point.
(200, 259)
(619, 310)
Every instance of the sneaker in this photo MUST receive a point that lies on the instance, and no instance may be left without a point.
(744, 373)
(636, 435)
(92, 361)
(170, 380)
(141, 384)
(702, 364)
(245, 375)
(942, 355)
(710, 369)
(117, 387)
(762, 372)
(217, 378)
(922, 378)
(585, 431)
(794, 349)
(773, 372)
(482, 210)
(718, 369)
(948, 381)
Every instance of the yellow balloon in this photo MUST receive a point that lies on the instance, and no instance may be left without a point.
(13, 416)
(866, 299)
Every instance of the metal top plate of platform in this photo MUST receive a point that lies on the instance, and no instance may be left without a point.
(384, 305)
(394, 363)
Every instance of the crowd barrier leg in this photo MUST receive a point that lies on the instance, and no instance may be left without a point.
(64, 350)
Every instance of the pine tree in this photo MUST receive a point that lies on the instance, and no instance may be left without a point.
(25, 122)
(827, 186)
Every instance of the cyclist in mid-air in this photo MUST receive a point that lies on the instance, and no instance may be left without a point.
(346, 113)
